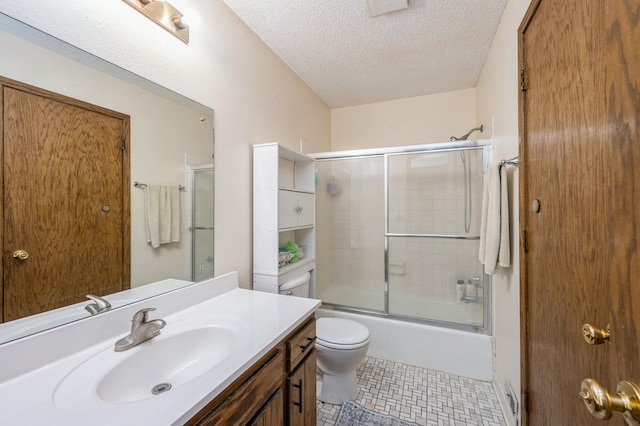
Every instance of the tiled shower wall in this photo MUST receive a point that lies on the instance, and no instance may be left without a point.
(426, 196)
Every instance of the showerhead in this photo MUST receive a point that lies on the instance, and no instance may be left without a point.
(464, 137)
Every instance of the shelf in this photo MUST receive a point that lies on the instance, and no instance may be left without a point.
(283, 210)
(295, 228)
(299, 264)
(301, 191)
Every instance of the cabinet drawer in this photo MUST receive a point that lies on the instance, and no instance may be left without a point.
(301, 344)
(247, 399)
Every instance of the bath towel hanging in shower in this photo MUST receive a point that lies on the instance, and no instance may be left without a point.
(162, 211)
(494, 229)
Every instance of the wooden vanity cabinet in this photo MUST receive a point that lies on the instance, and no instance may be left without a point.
(272, 412)
(247, 396)
(279, 389)
(301, 379)
(301, 385)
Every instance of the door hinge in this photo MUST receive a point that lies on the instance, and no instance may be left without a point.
(524, 241)
(525, 402)
(123, 228)
(523, 80)
(123, 144)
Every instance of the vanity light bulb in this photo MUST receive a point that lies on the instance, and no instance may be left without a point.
(178, 22)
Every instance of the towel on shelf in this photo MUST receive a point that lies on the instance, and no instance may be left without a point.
(494, 229)
(162, 211)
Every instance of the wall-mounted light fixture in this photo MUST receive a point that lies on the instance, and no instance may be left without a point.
(164, 14)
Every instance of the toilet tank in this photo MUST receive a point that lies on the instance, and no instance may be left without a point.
(299, 286)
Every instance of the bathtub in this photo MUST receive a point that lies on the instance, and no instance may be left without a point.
(437, 348)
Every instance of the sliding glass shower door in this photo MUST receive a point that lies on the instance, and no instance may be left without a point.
(434, 206)
(202, 224)
(349, 242)
(398, 233)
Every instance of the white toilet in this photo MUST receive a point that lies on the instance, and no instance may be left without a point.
(340, 345)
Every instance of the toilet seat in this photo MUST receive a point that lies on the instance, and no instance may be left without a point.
(340, 333)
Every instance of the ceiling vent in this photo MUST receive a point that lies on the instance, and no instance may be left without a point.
(381, 7)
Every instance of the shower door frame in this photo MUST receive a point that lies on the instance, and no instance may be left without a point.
(486, 146)
(193, 170)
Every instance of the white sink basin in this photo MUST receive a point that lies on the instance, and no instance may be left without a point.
(181, 353)
(173, 361)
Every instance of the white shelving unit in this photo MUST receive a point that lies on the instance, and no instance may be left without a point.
(283, 210)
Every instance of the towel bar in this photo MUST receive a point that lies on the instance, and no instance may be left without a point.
(510, 162)
(144, 185)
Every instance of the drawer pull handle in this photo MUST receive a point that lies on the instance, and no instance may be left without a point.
(303, 348)
(299, 386)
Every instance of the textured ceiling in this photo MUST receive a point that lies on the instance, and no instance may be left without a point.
(349, 58)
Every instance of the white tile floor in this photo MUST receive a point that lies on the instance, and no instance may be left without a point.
(422, 396)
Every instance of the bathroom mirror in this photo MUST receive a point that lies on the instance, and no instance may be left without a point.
(171, 140)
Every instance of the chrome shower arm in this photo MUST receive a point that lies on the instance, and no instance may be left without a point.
(465, 136)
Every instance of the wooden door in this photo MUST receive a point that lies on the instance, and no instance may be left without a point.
(65, 186)
(579, 156)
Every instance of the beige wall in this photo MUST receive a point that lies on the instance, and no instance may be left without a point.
(256, 97)
(497, 106)
(407, 121)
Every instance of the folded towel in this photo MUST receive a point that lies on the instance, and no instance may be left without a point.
(494, 229)
(162, 210)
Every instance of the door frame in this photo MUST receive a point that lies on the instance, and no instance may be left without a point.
(523, 160)
(126, 175)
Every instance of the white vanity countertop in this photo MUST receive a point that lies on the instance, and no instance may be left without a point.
(34, 398)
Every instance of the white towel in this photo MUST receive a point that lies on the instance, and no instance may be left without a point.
(494, 229)
(504, 256)
(162, 212)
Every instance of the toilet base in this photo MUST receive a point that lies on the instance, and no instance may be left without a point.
(338, 388)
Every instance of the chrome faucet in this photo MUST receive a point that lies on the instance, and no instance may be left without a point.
(98, 305)
(141, 330)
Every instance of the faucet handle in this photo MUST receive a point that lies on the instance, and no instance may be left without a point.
(99, 304)
(143, 313)
(141, 317)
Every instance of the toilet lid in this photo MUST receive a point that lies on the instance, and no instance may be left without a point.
(341, 332)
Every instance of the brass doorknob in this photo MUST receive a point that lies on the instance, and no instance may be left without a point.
(595, 335)
(601, 404)
(20, 254)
